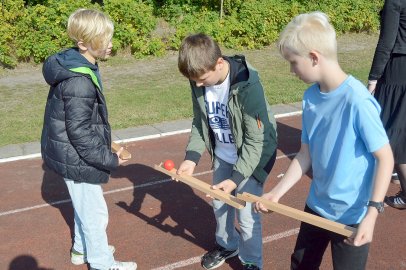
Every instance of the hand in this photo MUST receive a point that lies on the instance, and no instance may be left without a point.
(227, 186)
(365, 231)
(187, 167)
(259, 207)
(371, 86)
(120, 160)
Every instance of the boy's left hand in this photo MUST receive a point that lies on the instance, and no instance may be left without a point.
(227, 186)
(365, 232)
(119, 155)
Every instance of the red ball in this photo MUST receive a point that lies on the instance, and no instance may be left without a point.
(169, 164)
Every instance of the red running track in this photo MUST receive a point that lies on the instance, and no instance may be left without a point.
(159, 223)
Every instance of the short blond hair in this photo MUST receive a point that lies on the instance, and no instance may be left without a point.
(91, 27)
(198, 54)
(307, 32)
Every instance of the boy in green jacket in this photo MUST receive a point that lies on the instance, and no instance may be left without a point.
(233, 121)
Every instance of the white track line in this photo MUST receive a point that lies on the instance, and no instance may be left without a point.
(69, 200)
(176, 265)
(121, 189)
(155, 136)
(106, 192)
(282, 115)
(15, 211)
(179, 264)
(31, 156)
(197, 259)
(141, 138)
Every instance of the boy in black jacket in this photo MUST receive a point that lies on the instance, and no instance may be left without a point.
(76, 137)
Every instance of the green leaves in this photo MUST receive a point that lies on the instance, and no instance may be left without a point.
(33, 31)
(254, 24)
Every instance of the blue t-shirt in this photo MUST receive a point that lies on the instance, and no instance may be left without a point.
(342, 129)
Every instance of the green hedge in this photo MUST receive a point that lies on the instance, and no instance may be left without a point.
(254, 24)
(32, 31)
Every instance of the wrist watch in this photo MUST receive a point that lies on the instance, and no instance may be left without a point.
(377, 205)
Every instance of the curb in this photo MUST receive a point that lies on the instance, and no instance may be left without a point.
(32, 150)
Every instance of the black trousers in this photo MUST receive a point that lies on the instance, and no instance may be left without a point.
(312, 242)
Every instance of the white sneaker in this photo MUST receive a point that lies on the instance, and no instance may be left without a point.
(395, 179)
(123, 266)
(78, 258)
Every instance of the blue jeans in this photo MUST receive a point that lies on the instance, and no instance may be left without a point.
(91, 219)
(249, 238)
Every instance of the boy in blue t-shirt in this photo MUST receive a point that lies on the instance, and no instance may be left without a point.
(344, 143)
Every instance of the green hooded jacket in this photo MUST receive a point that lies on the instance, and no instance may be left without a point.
(251, 121)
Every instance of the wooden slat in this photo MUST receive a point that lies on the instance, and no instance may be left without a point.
(203, 187)
(321, 222)
(124, 155)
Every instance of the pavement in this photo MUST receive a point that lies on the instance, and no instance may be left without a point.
(33, 149)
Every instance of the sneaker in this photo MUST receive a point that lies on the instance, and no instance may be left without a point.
(250, 266)
(395, 179)
(121, 266)
(217, 257)
(78, 258)
(398, 201)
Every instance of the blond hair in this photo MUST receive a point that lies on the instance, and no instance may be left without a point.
(198, 54)
(91, 27)
(307, 32)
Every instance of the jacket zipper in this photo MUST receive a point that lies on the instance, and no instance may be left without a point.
(230, 120)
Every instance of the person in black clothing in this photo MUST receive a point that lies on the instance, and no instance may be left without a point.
(76, 136)
(387, 81)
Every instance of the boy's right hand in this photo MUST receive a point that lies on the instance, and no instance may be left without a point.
(118, 153)
(187, 167)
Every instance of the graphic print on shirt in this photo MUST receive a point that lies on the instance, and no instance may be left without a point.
(216, 99)
(218, 121)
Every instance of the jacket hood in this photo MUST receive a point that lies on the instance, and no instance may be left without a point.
(56, 67)
(240, 70)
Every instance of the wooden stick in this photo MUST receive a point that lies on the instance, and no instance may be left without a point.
(204, 187)
(321, 222)
(124, 155)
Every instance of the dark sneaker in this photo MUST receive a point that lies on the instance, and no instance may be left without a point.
(217, 257)
(398, 201)
(250, 266)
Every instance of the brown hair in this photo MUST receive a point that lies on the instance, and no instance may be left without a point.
(198, 54)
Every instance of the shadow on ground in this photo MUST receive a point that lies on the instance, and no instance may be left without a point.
(289, 140)
(192, 216)
(25, 262)
(55, 193)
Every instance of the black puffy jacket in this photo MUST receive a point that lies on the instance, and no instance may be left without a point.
(76, 137)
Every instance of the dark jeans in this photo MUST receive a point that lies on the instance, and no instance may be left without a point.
(312, 242)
